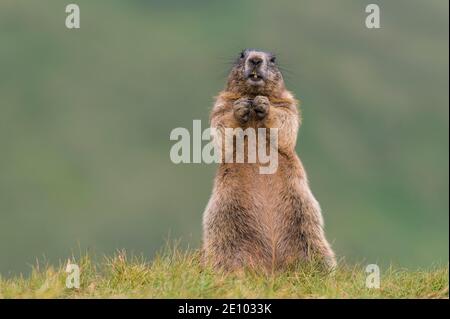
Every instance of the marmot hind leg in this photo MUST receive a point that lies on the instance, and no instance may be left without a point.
(303, 238)
(231, 240)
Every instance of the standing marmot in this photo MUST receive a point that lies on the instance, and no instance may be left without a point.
(253, 219)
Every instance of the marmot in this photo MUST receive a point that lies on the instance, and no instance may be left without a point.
(267, 221)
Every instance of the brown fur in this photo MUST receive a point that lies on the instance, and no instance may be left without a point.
(269, 221)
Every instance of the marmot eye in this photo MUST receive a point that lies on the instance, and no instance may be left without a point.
(272, 59)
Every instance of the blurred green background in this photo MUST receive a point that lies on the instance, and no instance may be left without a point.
(85, 118)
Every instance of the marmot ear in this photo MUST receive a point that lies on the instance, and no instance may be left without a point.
(273, 59)
(242, 55)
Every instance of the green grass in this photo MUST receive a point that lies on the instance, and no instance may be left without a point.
(179, 274)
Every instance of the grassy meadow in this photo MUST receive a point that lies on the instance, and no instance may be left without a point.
(179, 274)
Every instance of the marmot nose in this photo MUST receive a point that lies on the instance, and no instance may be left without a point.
(255, 61)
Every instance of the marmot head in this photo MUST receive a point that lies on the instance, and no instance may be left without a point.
(256, 73)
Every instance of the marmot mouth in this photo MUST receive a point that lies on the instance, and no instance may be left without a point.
(255, 77)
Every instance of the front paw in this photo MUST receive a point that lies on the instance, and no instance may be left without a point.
(261, 106)
(241, 110)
